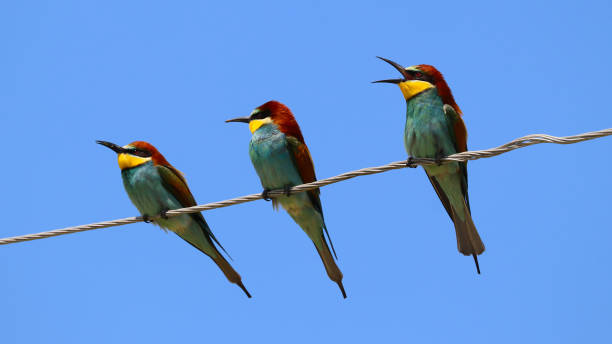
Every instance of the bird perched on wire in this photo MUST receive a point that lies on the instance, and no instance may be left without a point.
(435, 129)
(155, 186)
(282, 160)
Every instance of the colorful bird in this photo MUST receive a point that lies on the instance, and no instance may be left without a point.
(282, 160)
(434, 129)
(155, 186)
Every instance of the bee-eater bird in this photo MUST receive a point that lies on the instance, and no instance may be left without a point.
(155, 186)
(282, 160)
(435, 129)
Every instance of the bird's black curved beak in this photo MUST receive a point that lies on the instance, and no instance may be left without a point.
(399, 68)
(239, 119)
(116, 148)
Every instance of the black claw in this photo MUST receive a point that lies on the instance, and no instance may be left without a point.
(287, 190)
(438, 159)
(163, 214)
(265, 195)
(410, 163)
(146, 218)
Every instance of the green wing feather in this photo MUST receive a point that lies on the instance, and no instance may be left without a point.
(174, 181)
(303, 162)
(458, 132)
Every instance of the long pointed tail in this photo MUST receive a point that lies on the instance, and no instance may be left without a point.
(468, 239)
(331, 267)
(230, 273)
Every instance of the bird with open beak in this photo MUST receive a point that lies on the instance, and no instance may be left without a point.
(434, 129)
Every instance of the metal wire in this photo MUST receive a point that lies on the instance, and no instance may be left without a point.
(464, 156)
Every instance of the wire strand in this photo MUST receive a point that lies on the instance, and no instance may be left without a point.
(464, 156)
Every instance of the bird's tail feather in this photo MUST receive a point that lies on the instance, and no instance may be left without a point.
(468, 239)
(331, 267)
(230, 273)
(198, 237)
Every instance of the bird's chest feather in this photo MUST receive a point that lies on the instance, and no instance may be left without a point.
(145, 188)
(272, 159)
(426, 134)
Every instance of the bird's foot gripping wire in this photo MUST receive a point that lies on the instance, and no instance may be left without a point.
(287, 190)
(163, 214)
(146, 218)
(410, 163)
(265, 194)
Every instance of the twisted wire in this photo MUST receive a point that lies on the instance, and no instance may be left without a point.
(464, 156)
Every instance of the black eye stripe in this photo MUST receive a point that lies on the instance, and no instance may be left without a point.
(261, 114)
(140, 152)
(421, 76)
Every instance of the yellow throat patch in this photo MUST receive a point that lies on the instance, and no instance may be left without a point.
(128, 161)
(256, 123)
(411, 88)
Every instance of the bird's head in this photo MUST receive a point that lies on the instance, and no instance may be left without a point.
(419, 78)
(275, 113)
(135, 154)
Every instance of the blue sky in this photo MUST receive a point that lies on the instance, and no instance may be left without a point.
(72, 72)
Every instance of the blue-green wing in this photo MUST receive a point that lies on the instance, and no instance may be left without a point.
(303, 162)
(176, 184)
(458, 132)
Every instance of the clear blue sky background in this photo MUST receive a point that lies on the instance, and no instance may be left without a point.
(72, 72)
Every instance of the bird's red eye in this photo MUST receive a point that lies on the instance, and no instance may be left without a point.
(418, 74)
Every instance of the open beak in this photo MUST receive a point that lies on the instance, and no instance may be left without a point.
(116, 148)
(239, 119)
(399, 68)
